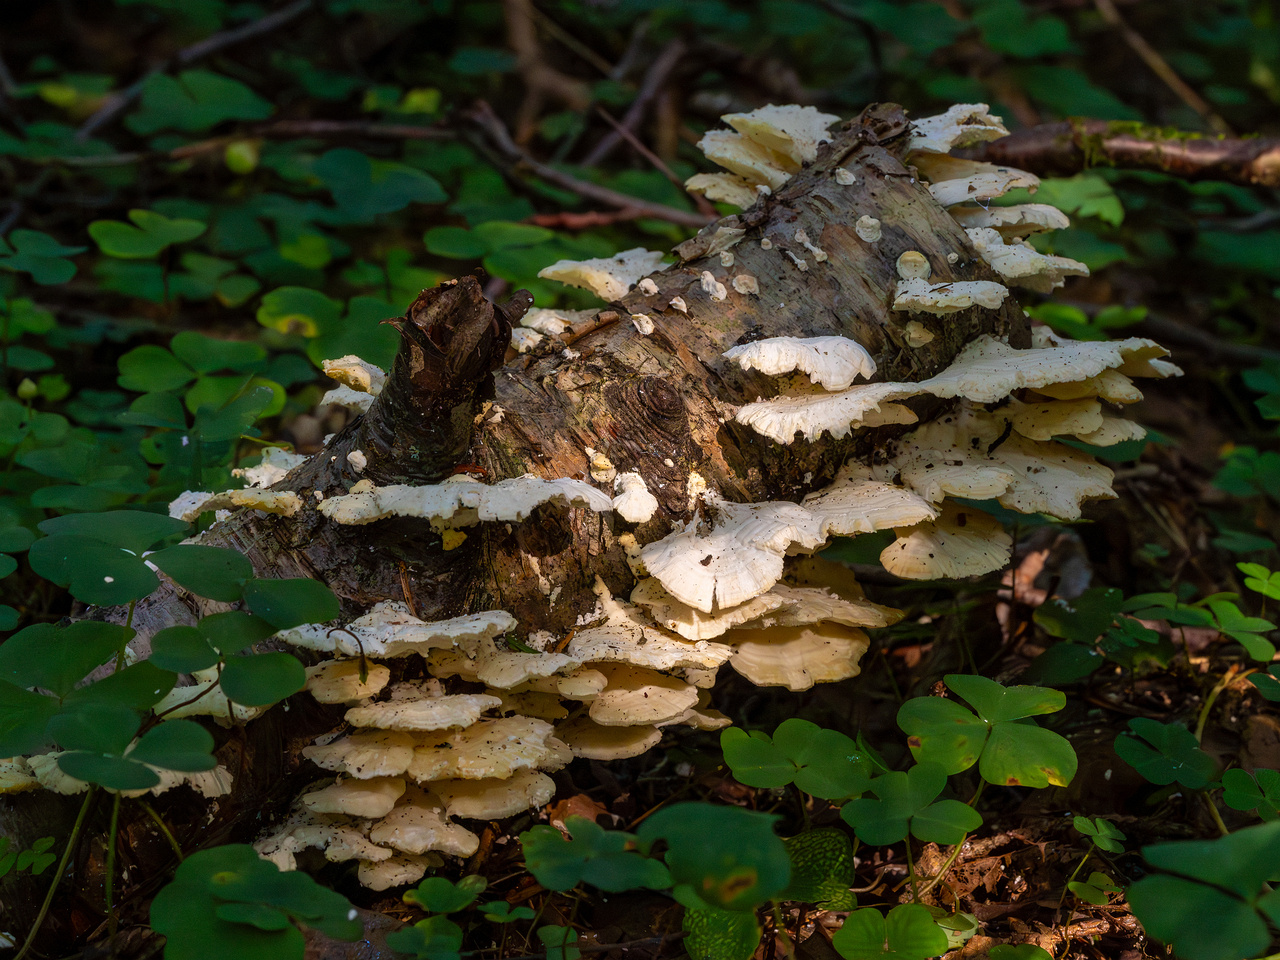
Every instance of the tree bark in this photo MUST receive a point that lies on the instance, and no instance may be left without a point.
(660, 405)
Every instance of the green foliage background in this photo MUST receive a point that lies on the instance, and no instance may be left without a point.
(172, 273)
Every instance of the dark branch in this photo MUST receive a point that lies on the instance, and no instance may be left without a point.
(1062, 149)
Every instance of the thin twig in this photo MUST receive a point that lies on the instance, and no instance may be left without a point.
(1160, 67)
(117, 103)
(499, 138)
(655, 79)
(703, 204)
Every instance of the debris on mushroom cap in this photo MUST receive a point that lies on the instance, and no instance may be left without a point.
(740, 558)
(643, 323)
(973, 453)
(275, 463)
(917, 334)
(343, 681)
(638, 696)
(359, 375)
(395, 871)
(600, 467)
(833, 362)
(867, 228)
(985, 371)
(389, 630)
(855, 503)
(198, 700)
(423, 712)
(490, 748)
(344, 396)
(624, 638)
(418, 825)
(581, 684)
(808, 605)
(1022, 264)
(913, 265)
(503, 669)
(751, 160)
(782, 418)
(532, 703)
(917, 294)
(790, 130)
(798, 657)
(365, 753)
(745, 283)
(1110, 385)
(844, 177)
(16, 776)
(460, 503)
(962, 542)
(1019, 220)
(1113, 430)
(647, 287)
(523, 339)
(341, 838)
(690, 622)
(286, 503)
(373, 798)
(634, 503)
(609, 278)
(490, 799)
(963, 125)
(953, 181)
(1054, 418)
(724, 188)
(586, 738)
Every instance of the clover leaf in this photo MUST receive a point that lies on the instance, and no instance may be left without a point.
(439, 895)
(1096, 889)
(824, 763)
(603, 858)
(1258, 791)
(97, 555)
(1164, 753)
(192, 101)
(909, 932)
(149, 235)
(722, 857)
(40, 255)
(1261, 580)
(1225, 880)
(1102, 833)
(907, 803)
(228, 902)
(1007, 746)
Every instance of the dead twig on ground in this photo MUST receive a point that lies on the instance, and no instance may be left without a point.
(499, 139)
(655, 80)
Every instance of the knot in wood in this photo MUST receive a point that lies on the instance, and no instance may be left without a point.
(660, 398)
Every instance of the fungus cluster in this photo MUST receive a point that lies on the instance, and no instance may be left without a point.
(446, 722)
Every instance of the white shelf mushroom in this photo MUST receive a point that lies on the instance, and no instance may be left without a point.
(833, 362)
(609, 278)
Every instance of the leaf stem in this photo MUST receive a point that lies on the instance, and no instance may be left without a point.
(1212, 698)
(57, 876)
(110, 868)
(164, 828)
(946, 866)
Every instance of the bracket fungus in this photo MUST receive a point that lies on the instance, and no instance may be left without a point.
(689, 542)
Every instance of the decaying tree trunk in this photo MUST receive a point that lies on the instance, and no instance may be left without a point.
(660, 405)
